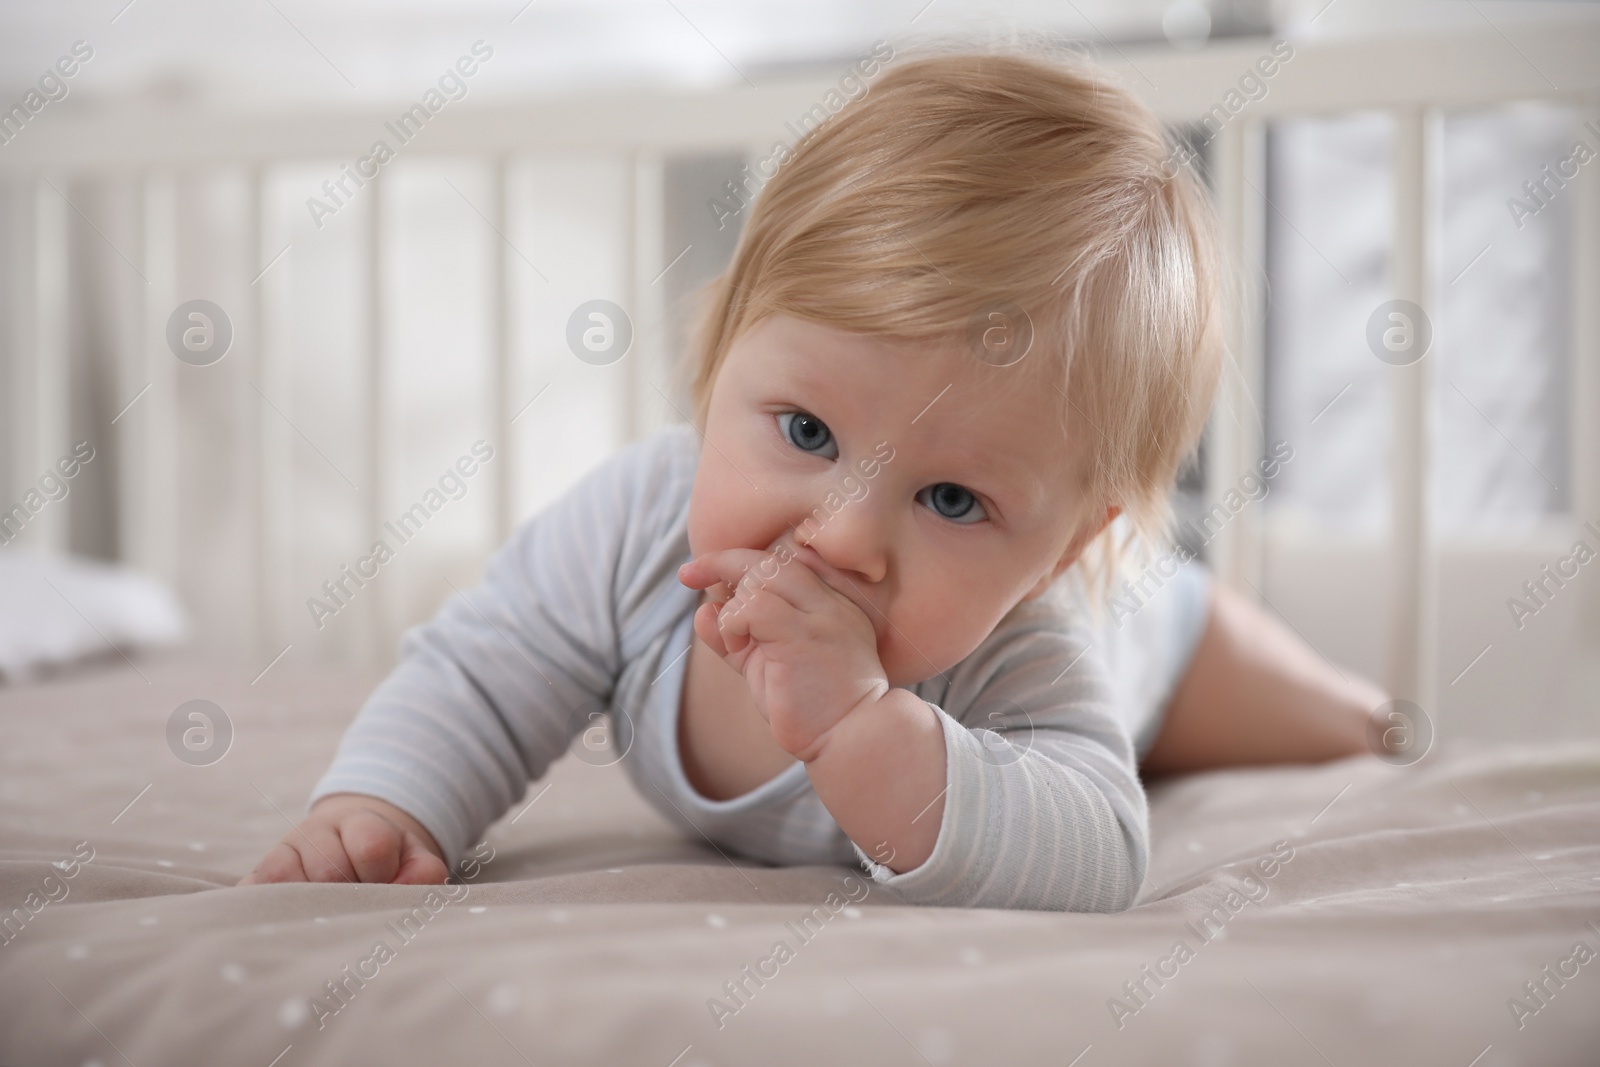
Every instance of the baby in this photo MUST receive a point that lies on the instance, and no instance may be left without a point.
(970, 333)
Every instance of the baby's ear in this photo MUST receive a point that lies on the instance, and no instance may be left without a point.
(1085, 535)
(1112, 511)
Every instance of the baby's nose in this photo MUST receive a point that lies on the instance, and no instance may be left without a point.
(847, 543)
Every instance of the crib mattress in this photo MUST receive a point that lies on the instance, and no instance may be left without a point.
(1347, 913)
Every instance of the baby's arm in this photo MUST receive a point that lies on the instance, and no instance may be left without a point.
(1253, 693)
(486, 694)
(1028, 798)
(1042, 805)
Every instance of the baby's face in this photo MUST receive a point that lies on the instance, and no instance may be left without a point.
(969, 515)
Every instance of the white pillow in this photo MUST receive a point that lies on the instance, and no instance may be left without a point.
(58, 609)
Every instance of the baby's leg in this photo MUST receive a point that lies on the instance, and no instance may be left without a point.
(1253, 692)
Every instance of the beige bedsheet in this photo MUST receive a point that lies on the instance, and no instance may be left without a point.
(1416, 904)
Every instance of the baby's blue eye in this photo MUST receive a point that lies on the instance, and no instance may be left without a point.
(806, 432)
(952, 502)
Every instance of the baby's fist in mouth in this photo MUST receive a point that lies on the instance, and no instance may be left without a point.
(807, 652)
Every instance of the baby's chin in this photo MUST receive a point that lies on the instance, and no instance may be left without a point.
(913, 669)
(909, 658)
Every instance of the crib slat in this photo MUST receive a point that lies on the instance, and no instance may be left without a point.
(274, 438)
(124, 436)
(19, 216)
(1413, 621)
(16, 403)
(148, 431)
(47, 357)
(502, 353)
(646, 301)
(379, 414)
(1585, 362)
(248, 337)
(1237, 427)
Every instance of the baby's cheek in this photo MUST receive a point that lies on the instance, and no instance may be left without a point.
(710, 517)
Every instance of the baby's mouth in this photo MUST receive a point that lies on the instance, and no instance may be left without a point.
(830, 575)
(798, 555)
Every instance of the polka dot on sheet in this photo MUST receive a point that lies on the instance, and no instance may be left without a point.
(320, 919)
(197, 846)
(163, 863)
(292, 1013)
(77, 952)
(232, 972)
(717, 921)
(852, 912)
(477, 909)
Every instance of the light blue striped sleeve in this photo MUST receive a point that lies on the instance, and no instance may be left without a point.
(492, 689)
(1043, 807)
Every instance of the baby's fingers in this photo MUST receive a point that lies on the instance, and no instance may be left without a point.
(764, 617)
(372, 844)
(418, 865)
(280, 864)
(726, 568)
(322, 854)
(708, 629)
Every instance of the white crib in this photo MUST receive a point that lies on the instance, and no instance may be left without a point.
(247, 487)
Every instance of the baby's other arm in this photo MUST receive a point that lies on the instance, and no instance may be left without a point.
(489, 692)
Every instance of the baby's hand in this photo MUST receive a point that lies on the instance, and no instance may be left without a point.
(352, 838)
(807, 652)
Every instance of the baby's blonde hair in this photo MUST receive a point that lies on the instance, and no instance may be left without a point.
(964, 179)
